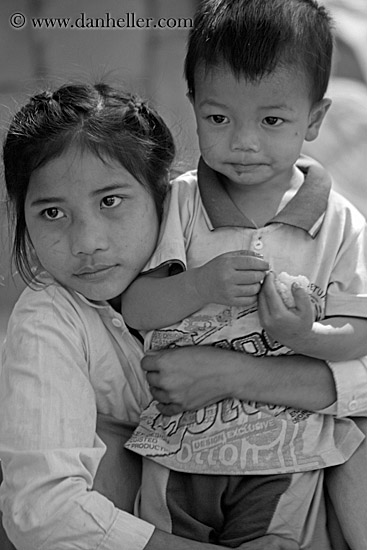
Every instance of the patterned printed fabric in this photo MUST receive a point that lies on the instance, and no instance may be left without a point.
(316, 234)
(234, 437)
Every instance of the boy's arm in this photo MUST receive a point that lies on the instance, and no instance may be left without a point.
(333, 339)
(156, 300)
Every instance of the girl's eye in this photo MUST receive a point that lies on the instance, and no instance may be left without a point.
(273, 121)
(52, 213)
(111, 202)
(218, 119)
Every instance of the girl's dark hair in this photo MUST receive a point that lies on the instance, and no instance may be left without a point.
(109, 122)
(253, 37)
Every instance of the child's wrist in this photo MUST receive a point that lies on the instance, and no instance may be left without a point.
(199, 286)
(305, 342)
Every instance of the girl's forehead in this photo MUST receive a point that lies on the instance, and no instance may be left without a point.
(78, 172)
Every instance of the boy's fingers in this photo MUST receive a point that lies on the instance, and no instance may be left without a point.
(246, 253)
(248, 277)
(244, 262)
(270, 295)
(300, 296)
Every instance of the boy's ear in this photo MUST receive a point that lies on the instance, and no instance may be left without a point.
(317, 115)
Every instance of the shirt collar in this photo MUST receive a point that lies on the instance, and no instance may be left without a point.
(306, 210)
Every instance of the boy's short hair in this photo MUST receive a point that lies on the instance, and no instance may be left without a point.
(253, 37)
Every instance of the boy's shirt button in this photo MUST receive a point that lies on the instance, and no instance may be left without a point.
(258, 245)
(352, 405)
(116, 322)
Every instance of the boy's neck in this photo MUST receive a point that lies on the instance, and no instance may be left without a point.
(261, 203)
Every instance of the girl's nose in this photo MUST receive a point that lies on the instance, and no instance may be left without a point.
(88, 236)
(245, 138)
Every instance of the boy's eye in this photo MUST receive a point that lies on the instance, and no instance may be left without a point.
(110, 202)
(52, 213)
(273, 120)
(218, 119)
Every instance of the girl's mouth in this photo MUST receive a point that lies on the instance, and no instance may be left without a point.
(94, 272)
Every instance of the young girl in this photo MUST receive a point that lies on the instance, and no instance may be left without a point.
(86, 170)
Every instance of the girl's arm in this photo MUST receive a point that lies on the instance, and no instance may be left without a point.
(156, 300)
(191, 377)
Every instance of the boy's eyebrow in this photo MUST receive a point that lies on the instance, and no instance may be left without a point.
(96, 192)
(281, 106)
(213, 103)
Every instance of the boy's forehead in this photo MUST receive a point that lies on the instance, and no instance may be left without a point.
(211, 78)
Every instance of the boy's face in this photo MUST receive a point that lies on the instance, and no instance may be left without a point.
(252, 133)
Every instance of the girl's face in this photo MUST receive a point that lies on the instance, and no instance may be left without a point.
(92, 224)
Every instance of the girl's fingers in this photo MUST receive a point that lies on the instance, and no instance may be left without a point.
(159, 395)
(149, 362)
(152, 378)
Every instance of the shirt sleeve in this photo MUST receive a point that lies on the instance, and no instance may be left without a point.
(180, 207)
(351, 386)
(49, 448)
(347, 291)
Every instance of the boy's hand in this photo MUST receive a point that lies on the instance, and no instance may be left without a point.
(233, 278)
(290, 326)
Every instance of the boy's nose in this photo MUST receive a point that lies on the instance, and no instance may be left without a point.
(88, 236)
(245, 139)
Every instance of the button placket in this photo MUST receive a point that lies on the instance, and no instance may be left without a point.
(257, 243)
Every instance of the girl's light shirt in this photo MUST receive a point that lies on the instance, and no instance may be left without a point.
(316, 234)
(64, 360)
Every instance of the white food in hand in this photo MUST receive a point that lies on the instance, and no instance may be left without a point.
(283, 283)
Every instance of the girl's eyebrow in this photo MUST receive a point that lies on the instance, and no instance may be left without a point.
(47, 200)
(60, 200)
(111, 188)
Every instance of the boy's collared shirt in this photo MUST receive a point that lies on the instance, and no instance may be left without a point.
(316, 234)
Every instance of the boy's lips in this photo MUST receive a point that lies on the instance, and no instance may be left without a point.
(246, 165)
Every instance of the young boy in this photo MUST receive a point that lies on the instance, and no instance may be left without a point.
(257, 72)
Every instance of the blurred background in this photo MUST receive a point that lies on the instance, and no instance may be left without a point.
(150, 61)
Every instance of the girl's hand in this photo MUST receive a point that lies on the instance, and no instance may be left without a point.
(270, 542)
(291, 327)
(233, 278)
(187, 378)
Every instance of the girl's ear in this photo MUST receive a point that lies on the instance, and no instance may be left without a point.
(190, 97)
(316, 117)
